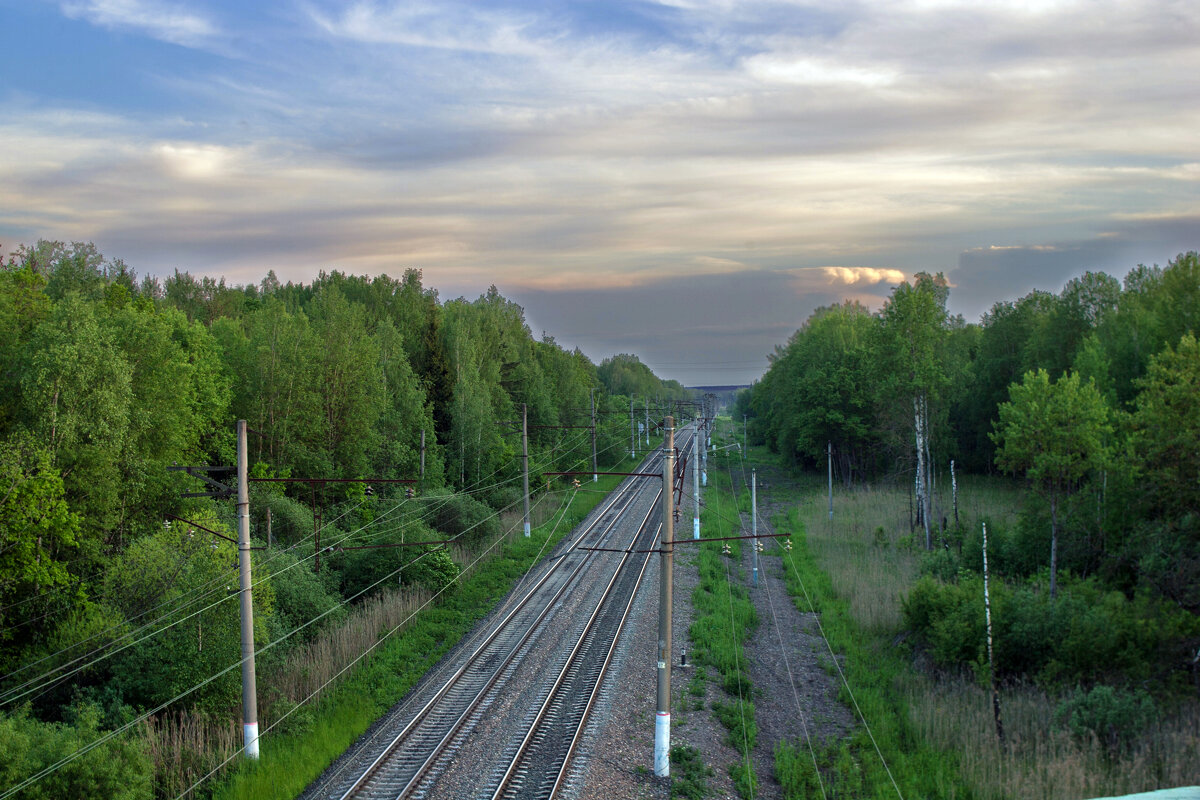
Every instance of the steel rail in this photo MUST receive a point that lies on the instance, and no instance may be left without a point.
(554, 694)
(628, 494)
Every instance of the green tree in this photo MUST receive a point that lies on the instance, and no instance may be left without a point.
(911, 335)
(76, 391)
(1054, 433)
(1165, 451)
(119, 769)
(37, 533)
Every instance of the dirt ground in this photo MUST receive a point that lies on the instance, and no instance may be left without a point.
(795, 696)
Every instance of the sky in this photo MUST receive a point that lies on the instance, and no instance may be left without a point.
(682, 179)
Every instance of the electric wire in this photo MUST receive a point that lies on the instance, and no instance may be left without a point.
(786, 661)
(121, 729)
(736, 658)
(146, 715)
(561, 513)
(179, 605)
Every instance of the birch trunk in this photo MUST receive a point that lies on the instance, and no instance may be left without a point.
(987, 610)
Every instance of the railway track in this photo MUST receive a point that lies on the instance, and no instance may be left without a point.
(530, 677)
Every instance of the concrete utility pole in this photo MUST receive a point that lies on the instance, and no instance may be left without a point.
(595, 469)
(662, 717)
(702, 464)
(525, 459)
(632, 430)
(647, 420)
(696, 481)
(249, 690)
(270, 541)
(754, 518)
(829, 465)
(745, 441)
(422, 484)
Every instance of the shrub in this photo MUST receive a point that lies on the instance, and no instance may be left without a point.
(689, 779)
(118, 769)
(1114, 716)
(940, 563)
(742, 774)
(738, 719)
(1089, 635)
(462, 515)
(302, 595)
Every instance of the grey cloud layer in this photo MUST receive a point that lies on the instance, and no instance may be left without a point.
(1011, 144)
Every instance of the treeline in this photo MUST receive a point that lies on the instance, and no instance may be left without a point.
(107, 381)
(1091, 396)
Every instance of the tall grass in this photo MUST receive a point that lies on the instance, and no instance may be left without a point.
(883, 754)
(724, 618)
(871, 560)
(1039, 759)
(295, 754)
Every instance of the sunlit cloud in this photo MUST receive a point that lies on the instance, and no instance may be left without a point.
(816, 72)
(852, 276)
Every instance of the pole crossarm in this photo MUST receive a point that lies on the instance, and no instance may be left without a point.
(332, 480)
(683, 541)
(731, 538)
(209, 530)
(340, 548)
(223, 490)
(624, 474)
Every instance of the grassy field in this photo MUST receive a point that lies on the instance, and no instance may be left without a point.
(724, 618)
(935, 730)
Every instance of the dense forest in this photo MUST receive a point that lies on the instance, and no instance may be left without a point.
(1091, 399)
(109, 605)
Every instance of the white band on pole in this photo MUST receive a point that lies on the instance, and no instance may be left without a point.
(696, 528)
(662, 744)
(527, 529)
(250, 739)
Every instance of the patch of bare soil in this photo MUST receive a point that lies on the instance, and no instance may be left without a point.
(795, 694)
(795, 697)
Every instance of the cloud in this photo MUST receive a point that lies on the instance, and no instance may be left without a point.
(446, 26)
(851, 276)
(170, 22)
(803, 151)
(807, 71)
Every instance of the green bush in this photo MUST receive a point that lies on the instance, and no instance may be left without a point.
(119, 769)
(429, 566)
(689, 778)
(458, 514)
(940, 563)
(1114, 716)
(742, 774)
(302, 595)
(738, 719)
(1089, 635)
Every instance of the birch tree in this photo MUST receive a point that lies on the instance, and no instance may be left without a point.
(912, 334)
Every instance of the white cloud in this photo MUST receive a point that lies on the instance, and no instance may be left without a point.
(445, 26)
(851, 276)
(808, 71)
(172, 23)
